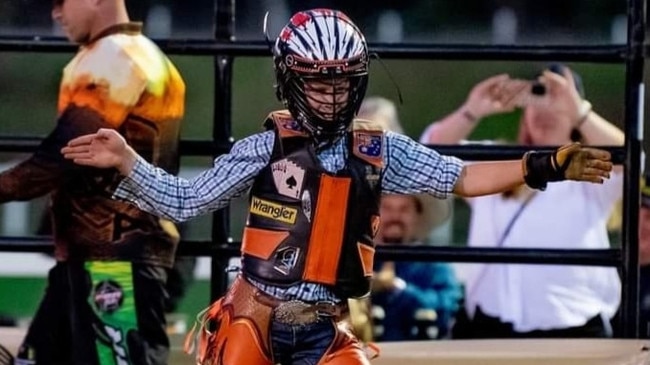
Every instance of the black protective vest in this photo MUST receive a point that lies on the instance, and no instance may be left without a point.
(306, 224)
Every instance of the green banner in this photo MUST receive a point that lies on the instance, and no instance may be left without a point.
(113, 302)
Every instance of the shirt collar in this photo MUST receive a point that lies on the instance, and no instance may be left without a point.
(131, 28)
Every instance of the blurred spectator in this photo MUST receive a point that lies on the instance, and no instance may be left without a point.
(538, 300)
(381, 110)
(384, 111)
(415, 300)
(419, 299)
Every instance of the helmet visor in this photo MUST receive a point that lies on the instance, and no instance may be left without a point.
(327, 97)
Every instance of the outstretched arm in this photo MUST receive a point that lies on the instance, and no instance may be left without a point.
(411, 168)
(169, 196)
(536, 169)
(486, 178)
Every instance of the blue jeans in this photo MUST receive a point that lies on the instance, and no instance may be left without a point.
(301, 344)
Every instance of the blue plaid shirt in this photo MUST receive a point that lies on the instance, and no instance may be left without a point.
(409, 167)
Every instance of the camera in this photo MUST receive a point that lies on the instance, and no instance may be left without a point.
(538, 88)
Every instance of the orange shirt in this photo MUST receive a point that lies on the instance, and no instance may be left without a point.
(121, 80)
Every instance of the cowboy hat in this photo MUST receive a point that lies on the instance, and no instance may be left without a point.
(434, 213)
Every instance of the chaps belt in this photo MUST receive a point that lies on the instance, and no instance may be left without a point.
(297, 312)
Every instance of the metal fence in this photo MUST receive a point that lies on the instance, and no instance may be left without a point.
(225, 49)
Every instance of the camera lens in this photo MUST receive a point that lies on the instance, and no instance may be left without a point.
(538, 89)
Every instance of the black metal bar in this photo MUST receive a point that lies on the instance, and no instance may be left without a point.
(634, 94)
(479, 152)
(469, 152)
(610, 257)
(187, 147)
(227, 47)
(222, 132)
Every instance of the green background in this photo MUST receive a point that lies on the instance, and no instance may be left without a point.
(430, 90)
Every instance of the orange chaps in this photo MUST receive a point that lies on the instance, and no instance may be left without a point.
(235, 330)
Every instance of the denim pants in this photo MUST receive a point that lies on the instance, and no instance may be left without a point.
(301, 344)
(240, 328)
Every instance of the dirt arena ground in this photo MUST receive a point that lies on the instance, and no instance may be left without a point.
(467, 352)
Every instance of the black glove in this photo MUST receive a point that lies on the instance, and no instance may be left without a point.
(569, 162)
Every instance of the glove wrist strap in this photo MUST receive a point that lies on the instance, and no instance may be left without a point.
(540, 168)
(535, 165)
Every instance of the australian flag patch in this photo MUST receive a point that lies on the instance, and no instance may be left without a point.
(368, 145)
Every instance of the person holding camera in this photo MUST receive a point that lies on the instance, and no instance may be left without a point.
(512, 301)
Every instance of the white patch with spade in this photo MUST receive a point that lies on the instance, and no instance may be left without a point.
(288, 178)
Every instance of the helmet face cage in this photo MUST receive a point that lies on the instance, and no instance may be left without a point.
(324, 46)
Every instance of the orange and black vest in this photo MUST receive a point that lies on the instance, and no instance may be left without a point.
(306, 224)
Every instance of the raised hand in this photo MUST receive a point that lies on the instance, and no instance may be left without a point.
(104, 149)
(497, 94)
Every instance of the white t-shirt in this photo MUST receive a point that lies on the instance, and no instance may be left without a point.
(567, 215)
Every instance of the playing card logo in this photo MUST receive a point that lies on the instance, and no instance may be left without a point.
(291, 183)
(288, 178)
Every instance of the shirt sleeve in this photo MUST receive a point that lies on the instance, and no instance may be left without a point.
(412, 168)
(178, 199)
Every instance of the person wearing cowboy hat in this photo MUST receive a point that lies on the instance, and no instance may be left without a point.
(407, 291)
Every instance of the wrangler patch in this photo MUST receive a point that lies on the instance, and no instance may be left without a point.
(274, 211)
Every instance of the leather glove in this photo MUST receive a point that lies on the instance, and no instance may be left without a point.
(569, 162)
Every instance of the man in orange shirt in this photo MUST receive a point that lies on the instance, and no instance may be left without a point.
(104, 299)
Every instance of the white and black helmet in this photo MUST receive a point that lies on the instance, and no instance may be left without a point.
(320, 44)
